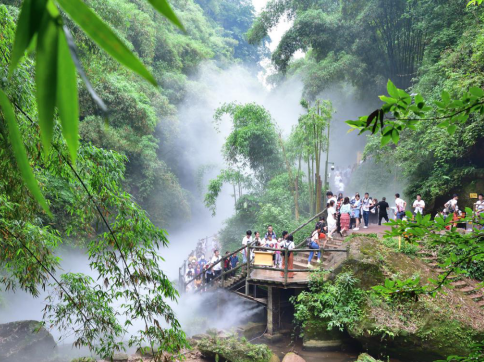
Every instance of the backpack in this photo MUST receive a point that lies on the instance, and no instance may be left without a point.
(450, 208)
(308, 242)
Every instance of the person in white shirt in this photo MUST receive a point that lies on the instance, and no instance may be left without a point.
(330, 196)
(400, 205)
(479, 208)
(341, 187)
(479, 205)
(451, 205)
(365, 207)
(288, 242)
(418, 205)
(217, 269)
(246, 240)
(331, 219)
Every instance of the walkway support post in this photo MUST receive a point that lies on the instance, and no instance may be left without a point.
(248, 271)
(273, 307)
(286, 265)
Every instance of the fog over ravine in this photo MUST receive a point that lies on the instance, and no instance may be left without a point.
(200, 144)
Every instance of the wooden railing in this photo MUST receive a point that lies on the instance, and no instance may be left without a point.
(249, 266)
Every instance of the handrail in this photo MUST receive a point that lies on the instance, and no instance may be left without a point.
(249, 246)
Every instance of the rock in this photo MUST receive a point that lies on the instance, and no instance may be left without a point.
(292, 357)
(412, 330)
(364, 357)
(120, 357)
(233, 350)
(199, 337)
(24, 341)
(322, 346)
(252, 330)
(273, 338)
(275, 358)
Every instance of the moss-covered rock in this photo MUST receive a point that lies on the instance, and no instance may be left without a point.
(423, 330)
(364, 357)
(234, 350)
(24, 341)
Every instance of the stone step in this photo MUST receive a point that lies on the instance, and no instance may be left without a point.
(425, 252)
(459, 284)
(481, 303)
(433, 265)
(476, 296)
(441, 271)
(430, 258)
(453, 277)
(467, 289)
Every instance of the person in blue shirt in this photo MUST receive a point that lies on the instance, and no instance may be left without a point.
(234, 260)
(202, 261)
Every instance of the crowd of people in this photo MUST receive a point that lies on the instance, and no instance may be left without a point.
(343, 214)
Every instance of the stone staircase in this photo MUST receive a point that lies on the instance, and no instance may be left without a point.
(301, 258)
(465, 285)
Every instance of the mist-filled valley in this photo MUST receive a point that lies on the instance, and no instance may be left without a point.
(241, 180)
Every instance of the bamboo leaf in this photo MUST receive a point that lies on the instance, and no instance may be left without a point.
(46, 78)
(385, 139)
(102, 34)
(164, 8)
(67, 101)
(475, 91)
(28, 24)
(20, 153)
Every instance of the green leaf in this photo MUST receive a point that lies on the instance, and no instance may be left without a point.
(445, 97)
(385, 139)
(392, 90)
(20, 153)
(103, 36)
(395, 136)
(67, 102)
(46, 78)
(475, 91)
(28, 24)
(388, 100)
(164, 8)
(451, 129)
(444, 124)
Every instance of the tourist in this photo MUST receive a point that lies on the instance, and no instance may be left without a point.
(356, 211)
(383, 210)
(247, 240)
(216, 266)
(288, 243)
(330, 196)
(234, 260)
(451, 206)
(278, 257)
(400, 206)
(258, 241)
(418, 205)
(202, 261)
(373, 211)
(188, 279)
(314, 244)
(345, 212)
(208, 273)
(321, 225)
(341, 186)
(271, 243)
(331, 219)
(365, 206)
(479, 209)
(227, 264)
(270, 230)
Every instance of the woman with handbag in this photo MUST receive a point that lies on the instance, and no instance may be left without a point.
(345, 211)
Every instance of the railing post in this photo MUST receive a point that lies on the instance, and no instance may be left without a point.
(248, 271)
(223, 274)
(286, 264)
(204, 276)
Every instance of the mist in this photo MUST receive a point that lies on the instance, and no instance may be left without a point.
(199, 145)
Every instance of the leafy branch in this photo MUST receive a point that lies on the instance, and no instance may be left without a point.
(41, 26)
(402, 111)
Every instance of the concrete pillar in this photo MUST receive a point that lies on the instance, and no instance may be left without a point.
(273, 309)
